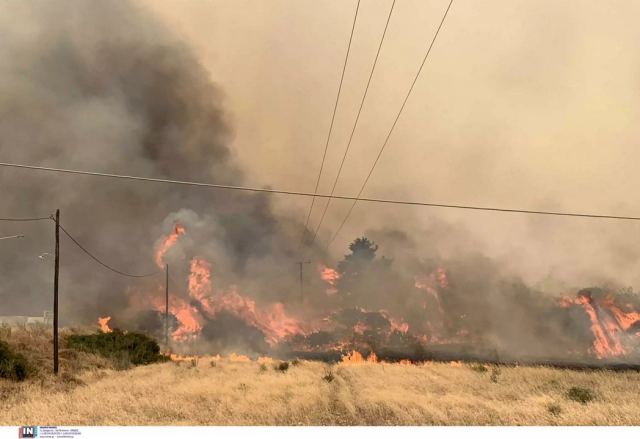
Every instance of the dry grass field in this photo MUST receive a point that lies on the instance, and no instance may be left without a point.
(227, 391)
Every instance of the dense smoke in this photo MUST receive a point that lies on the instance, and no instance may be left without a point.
(105, 87)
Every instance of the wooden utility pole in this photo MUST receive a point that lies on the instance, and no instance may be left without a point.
(56, 274)
(166, 306)
(301, 264)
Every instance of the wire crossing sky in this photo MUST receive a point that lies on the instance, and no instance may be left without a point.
(311, 194)
(355, 124)
(333, 117)
(386, 140)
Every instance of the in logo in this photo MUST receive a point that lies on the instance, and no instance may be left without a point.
(28, 432)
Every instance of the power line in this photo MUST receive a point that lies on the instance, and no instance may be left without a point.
(386, 140)
(27, 219)
(11, 237)
(355, 124)
(102, 263)
(333, 117)
(76, 242)
(339, 197)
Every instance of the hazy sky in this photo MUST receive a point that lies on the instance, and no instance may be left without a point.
(522, 104)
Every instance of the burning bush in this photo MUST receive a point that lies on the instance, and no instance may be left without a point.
(138, 348)
(12, 365)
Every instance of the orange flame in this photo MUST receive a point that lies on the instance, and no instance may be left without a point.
(360, 328)
(103, 324)
(356, 357)
(330, 276)
(189, 321)
(430, 285)
(199, 283)
(188, 317)
(441, 277)
(178, 357)
(235, 358)
(608, 323)
(166, 243)
(271, 320)
(396, 325)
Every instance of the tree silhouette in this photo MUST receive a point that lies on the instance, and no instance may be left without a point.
(363, 275)
(363, 252)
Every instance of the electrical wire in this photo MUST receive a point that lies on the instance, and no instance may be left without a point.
(333, 117)
(339, 197)
(355, 124)
(122, 273)
(11, 237)
(386, 140)
(27, 219)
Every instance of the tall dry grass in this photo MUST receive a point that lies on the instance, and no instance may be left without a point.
(224, 391)
(245, 393)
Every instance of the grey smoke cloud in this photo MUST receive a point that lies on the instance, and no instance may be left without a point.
(110, 87)
(106, 87)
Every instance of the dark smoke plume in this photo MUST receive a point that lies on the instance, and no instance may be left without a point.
(103, 86)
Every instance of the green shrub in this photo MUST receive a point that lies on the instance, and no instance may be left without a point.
(495, 374)
(479, 368)
(121, 360)
(12, 365)
(554, 409)
(328, 377)
(282, 367)
(295, 362)
(121, 347)
(580, 394)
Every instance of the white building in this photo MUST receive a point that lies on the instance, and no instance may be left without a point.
(46, 319)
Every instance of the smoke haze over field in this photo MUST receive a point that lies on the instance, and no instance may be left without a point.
(521, 105)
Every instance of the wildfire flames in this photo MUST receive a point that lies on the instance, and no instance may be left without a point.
(355, 357)
(189, 322)
(103, 324)
(330, 276)
(351, 330)
(166, 243)
(396, 325)
(272, 321)
(200, 281)
(611, 326)
(205, 303)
